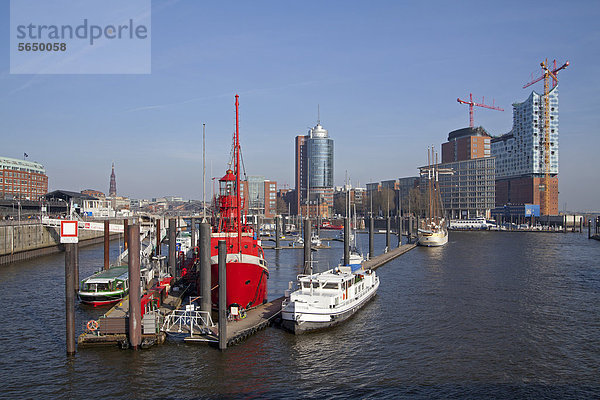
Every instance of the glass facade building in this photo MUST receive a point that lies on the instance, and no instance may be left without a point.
(314, 167)
(470, 191)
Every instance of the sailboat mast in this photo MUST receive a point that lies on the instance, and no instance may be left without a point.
(237, 173)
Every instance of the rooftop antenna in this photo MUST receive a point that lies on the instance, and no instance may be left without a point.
(318, 114)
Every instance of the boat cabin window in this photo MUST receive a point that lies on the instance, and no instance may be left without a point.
(331, 285)
(119, 285)
(306, 285)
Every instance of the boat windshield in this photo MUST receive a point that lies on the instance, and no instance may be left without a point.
(95, 287)
(306, 285)
(331, 285)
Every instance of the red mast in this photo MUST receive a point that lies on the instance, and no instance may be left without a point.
(237, 172)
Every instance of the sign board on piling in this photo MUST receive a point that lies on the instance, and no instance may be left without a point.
(68, 232)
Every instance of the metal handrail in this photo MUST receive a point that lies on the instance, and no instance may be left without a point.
(189, 319)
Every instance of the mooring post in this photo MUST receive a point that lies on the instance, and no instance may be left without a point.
(318, 225)
(70, 254)
(307, 246)
(125, 233)
(76, 271)
(193, 222)
(222, 295)
(399, 227)
(205, 279)
(172, 247)
(589, 228)
(158, 237)
(135, 309)
(277, 231)
(346, 242)
(371, 229)
(106, 244)
(387, 233)
(564, 224)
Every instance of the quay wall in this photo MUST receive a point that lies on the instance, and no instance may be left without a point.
(29, 239)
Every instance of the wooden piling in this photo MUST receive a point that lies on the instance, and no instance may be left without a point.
(172, 247)
(126, 233)
(371, 231)
(135, 312)
(205, 265)
(76, 271)
(222, 295)
(106, 244)
(158, 237)
(387, 234)
(70, 255)
(277, 231)
(193, 231)
(307, 249)
(399, 227)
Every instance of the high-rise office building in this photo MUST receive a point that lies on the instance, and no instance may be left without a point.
(520, 155)
(314, 168)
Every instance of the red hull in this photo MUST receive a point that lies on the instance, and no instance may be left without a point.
(100, 303)
(246, 284)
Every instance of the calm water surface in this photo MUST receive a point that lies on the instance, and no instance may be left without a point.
(492, 314)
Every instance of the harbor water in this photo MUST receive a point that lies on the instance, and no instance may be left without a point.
(491, 314)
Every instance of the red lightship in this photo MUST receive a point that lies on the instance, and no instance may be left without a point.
(247, 271)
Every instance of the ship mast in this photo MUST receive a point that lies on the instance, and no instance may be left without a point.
(237, 173)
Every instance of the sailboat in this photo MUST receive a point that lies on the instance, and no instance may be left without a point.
(433, 230)
(246, 267)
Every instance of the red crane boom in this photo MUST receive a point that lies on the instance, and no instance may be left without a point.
(471, 103)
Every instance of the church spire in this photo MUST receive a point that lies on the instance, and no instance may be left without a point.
(113, 183)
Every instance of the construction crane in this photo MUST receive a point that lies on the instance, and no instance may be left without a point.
(546, 75)
(554, 72)
(471, 103)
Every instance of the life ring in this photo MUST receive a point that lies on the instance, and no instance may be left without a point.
(92, 325)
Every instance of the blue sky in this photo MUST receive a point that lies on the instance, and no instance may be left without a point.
(385, 73)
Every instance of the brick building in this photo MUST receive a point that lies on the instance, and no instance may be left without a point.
(20, 179)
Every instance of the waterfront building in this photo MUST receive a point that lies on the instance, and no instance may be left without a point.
(20, 179)
(470, 191)
(259, 196)
(314, 167)
(515, 212)
(82, 204)
(93, 193)
(466, 144)
(520, 155)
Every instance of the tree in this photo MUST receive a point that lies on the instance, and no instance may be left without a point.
(282, 207)
(384, 201)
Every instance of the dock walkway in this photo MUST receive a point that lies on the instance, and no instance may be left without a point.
(380, 260)
(256, 319)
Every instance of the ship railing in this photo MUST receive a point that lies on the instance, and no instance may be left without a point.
(188, 321)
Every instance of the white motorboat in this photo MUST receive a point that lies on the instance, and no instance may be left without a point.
(478, 223)
(328, 298)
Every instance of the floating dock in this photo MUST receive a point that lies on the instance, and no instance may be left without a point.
(114, 325)
(381, 259)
